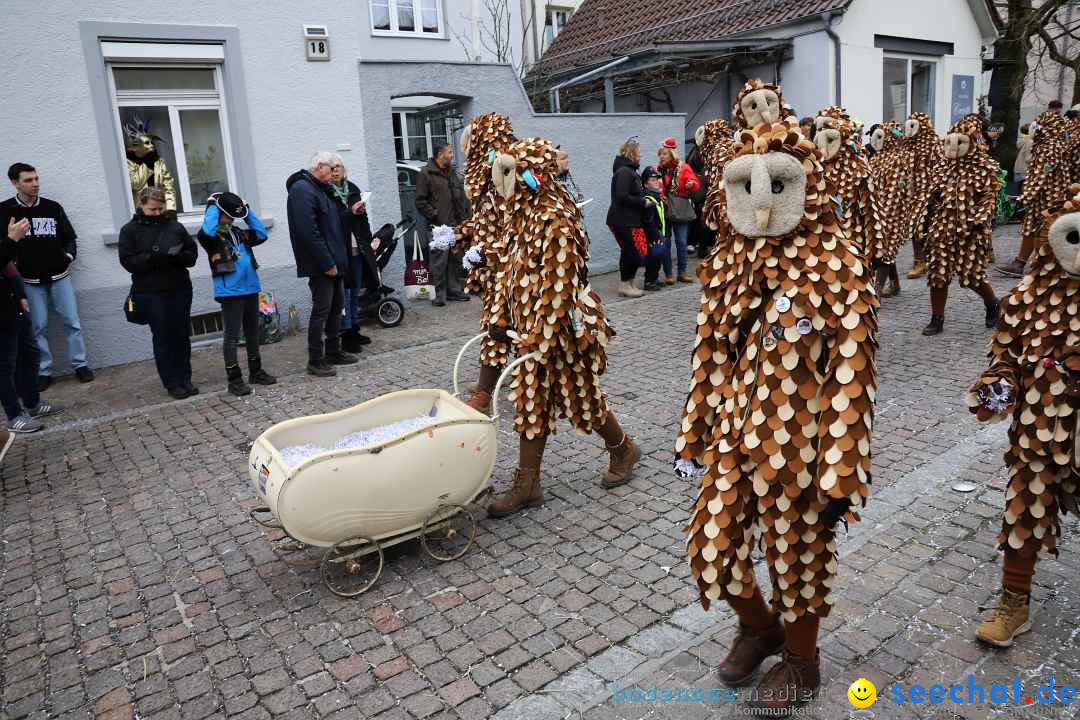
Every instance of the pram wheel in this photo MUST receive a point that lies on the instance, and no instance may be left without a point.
(390, 312)
(351, 566)
(448, 532)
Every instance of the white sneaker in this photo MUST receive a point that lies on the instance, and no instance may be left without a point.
(44, 408)
(24, 424)
(627, 289)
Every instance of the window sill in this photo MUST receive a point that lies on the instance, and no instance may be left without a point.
(190, 223)
(409, 35)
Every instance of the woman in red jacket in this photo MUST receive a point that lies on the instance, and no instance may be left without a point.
(680, 184)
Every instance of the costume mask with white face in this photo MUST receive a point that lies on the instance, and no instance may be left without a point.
(760, 106)
(766, 194)
(1064, 240)
(828, 142)
(957, 145)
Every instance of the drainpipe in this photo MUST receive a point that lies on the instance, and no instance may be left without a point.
(827, 19)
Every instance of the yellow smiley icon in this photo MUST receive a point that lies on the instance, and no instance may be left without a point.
(862, 693)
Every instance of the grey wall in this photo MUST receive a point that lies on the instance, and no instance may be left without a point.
(592, 139)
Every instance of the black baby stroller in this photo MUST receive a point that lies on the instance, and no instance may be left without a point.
(377, 303)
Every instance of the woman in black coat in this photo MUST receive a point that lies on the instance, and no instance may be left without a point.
(625, 214)
(158, 251)
(362, 276)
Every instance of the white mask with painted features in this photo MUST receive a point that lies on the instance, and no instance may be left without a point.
(1064, 240)
(957, 145)
(766, 194)
(828, 142)
(911, 128)
(504, 175)
(760, 106)
(877, 140)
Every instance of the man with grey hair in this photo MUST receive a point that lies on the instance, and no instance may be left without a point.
(319, 246)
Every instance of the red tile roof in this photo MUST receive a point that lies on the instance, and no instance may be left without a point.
(601, 29)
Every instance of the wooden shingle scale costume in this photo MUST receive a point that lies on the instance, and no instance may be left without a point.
(920, 153)
(887, 174)
(778, 419)
(1033, 381)
(547, 307)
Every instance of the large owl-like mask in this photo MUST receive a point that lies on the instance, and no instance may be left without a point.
(911, 128)
(877, 140)
(957, 145)
(1064, 240)
(765, 185)
(760, 106)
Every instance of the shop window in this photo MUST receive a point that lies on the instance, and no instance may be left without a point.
(410, 18)
(416, 138)
(909, 85)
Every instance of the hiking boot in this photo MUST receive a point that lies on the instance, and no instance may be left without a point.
(319, 368)
(685, 278)
(24, 424)
(749, 650)
(992, 310)
(84, 374)
(525, 492)
(341, 358)
(627, 289)
(918, 270)
(788, 684)
(624, 457)
(258, 376)
(480, 401)
(1012, 617)
(237, 386)
(937, 324)
(1013, 269)
(44, 408)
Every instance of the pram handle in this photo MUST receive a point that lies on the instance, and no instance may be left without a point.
(498, 385)
(461, 354)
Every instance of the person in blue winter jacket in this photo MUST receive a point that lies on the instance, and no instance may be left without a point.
(236, 283)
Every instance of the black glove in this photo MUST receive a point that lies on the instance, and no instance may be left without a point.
(834, 511)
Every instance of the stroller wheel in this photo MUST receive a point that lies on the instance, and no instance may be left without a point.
(351, 566)
(390, 312)
(448, 532)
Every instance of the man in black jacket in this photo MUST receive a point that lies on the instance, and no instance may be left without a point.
(440, 197)
(319, 246)
(44, 261)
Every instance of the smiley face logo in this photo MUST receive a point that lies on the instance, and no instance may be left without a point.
(862, 693)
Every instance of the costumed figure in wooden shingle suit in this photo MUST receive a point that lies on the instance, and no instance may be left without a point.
(778, 419)
(920, 153)
(958, 215)
(549, 309)
(887, 174)
(1034, 380)
(1050, 172)
(482, 139)
(716, 143)
(847, 174)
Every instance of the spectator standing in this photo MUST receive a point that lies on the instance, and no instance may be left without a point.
(654, 220)
(18, 351)
(680, 184)
(157, 251)
(362, 263)
(235, 273)
(44, 262)
(562, 157)
(624, 216)
(440, 197)
(1023, 157)
(809, 129)
(318, 241)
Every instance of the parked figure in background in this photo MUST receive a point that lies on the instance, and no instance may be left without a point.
(236, 283)
(963, 195)
(920, 153)
(158, 251)
(624, 215)
(778, 419)
(44, 260)
(1049, 174)
(550, 310)
(319, 246)
(485, 237)
(440, 197)
(847, 175)
(887, 172)
(363, 276)
(18, 351)
(1034, 380)
(680, 183)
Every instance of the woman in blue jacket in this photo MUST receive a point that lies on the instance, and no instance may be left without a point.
(236, 283)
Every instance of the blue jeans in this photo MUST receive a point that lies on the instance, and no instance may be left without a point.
(352, 295)
(18, 368)
(170, 324)
(61, 296)
(680, 231)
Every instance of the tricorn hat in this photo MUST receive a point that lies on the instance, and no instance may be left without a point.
(231, 204)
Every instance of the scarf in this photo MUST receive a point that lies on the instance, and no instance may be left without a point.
(341, 192)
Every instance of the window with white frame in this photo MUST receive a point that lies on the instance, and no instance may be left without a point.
(555, 20)
(909, 84)
(410, 18)
(177, 106)
(416, 138)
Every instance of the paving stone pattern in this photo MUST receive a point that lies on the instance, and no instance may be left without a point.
(136, 585)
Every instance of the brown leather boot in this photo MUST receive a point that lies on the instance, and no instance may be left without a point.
(751, 647)
(480, 399)
(624, 453)
(788, 684)
(525, 492)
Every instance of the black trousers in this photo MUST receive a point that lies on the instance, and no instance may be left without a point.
(629, 258)
(19, 358)
(327, 300)
(170, 324)
(241, 314)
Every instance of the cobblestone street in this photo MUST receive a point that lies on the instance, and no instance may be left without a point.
(135, 584)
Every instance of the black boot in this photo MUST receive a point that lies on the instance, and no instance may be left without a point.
(937, 324)
(992, 311)
(256, 374)
(237, 386)
(350, 342)
(318, 366)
